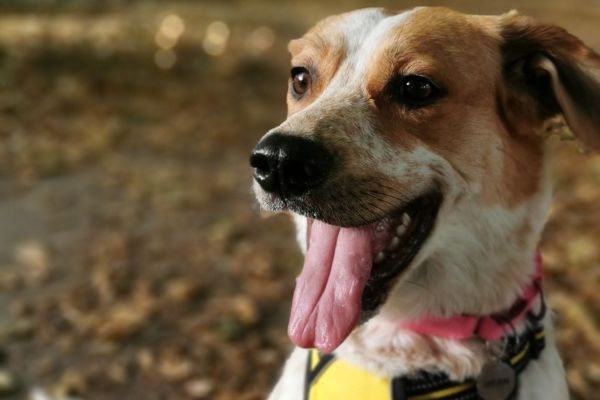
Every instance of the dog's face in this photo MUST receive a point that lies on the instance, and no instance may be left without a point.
(410, 139)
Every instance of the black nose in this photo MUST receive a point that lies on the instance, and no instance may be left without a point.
(289, 165)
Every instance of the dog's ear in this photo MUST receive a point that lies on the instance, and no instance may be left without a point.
(550, 72)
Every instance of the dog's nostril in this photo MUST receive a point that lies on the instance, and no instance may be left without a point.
(260, 163)
(265, 164)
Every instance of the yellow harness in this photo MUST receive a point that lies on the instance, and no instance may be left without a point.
(329, 378)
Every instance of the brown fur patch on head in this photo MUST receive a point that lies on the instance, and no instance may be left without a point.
(460, 53)
(415, 48)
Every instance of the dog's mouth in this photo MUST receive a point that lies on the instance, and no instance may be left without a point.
(348, 272)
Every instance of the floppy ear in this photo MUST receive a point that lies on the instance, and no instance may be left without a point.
(553, 73)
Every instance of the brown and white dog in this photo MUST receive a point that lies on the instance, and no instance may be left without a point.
(413, 162)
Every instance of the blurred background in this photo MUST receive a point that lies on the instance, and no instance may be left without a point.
(133, 261)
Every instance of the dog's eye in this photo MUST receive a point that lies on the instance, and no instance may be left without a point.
(415, 91)
(301, 81)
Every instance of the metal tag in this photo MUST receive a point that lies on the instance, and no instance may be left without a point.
(497, 381)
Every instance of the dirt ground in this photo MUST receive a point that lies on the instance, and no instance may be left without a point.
(134, 263)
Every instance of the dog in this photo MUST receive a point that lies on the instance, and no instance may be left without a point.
(413, 162)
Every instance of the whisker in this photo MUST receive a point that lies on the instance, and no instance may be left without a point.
(391, 189)
(378, 198)
(368, 203)
(385, 194)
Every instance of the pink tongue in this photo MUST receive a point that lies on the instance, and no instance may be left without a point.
(327, 299)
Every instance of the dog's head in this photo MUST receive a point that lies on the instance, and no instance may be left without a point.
(412, 160)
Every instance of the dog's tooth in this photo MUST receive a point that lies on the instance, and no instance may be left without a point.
(379, 257)
(405, 219)
(401, 229)
(394, 243)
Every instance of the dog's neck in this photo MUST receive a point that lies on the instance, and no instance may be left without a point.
(491, 327)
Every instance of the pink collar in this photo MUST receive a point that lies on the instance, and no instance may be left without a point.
(489, 327)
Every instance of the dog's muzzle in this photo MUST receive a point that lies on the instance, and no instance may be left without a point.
(288, 166)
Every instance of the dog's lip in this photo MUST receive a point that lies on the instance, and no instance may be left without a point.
(422, 212)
